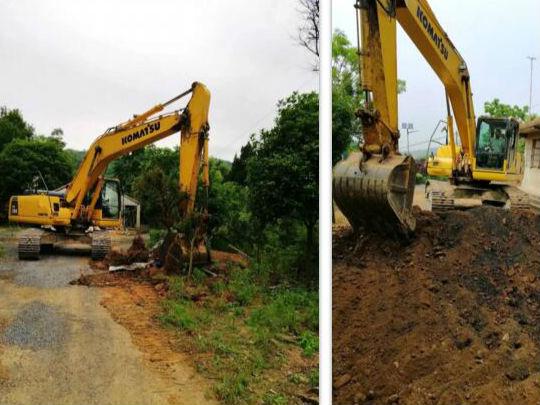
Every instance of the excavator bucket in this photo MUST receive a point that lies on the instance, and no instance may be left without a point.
(177, 252)
(376, 194)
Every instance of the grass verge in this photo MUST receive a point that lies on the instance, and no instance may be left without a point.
(258, 343)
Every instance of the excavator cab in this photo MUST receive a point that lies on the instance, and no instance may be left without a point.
(111, 199)
(495, 143)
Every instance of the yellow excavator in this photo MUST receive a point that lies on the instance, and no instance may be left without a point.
(85, 209)
(374, 187)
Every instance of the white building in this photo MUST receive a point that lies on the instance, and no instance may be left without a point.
(132, 212)
(530, 131)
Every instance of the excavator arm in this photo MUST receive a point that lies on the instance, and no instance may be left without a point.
(421, 25)
(71, 212)
(76, 205)
(377, 21)
(142, 130)
(374, 188)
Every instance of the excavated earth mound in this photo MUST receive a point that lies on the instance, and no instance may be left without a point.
(137, 252)
(452, 317)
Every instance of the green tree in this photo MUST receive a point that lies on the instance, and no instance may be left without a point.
(76, 156)
(231, 221)
(21, 159)
(238, 172)
(283, 173)
(13, 126)
(347, 95)
(58, 135)
(160, 197)
(497, 109)
(345, 125)
(127, 168)
(345, 65)
(130, 167)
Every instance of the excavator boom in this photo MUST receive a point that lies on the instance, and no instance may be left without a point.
(374, 187)
(76, 206)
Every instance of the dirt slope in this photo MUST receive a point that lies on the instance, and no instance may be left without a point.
(451, 318)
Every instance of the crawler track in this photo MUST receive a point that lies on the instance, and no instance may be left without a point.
(519, 200)
(440, 202)
(101, 245)
(29, 244)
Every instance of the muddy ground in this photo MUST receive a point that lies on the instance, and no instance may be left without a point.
(451, 318)
(59, 343)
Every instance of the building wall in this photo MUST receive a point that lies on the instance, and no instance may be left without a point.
(531, 176)
(134, 207)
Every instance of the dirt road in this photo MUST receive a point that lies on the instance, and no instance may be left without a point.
(59, 345)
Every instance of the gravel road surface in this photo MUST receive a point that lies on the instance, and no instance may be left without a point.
(58, 345)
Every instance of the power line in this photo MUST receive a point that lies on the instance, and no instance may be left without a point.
(426, 142)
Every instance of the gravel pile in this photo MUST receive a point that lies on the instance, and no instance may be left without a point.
(36, 326)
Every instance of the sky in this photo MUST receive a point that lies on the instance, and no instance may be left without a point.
(85, 66)
(493, 36)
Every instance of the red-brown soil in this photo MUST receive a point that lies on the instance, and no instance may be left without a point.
(450, 318)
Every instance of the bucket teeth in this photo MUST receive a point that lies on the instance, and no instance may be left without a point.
(376, 194)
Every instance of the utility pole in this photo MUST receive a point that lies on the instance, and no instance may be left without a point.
(409, 127)
(532, 59)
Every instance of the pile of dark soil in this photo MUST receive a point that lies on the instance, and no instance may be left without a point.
(137, 253)
(453, 317)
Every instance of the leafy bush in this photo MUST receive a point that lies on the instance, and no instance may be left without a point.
(176, 314)
(309, 342)
(273, 398)
(287, 311)
(155, 235)
(198, 276)
(420, 178)
(242, 286)
(184, 315)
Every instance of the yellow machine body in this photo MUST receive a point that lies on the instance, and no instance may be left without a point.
(86, 201)
(41, 209)
(441, 163)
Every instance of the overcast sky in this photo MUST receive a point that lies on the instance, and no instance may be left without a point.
(493, 36)
(84, 66)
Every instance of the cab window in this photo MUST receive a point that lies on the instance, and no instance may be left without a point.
(110, 199)
(492, 144)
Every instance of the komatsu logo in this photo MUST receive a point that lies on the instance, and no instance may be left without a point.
(431, 31)
(141, 133)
